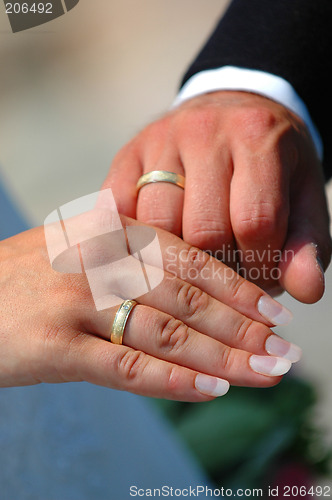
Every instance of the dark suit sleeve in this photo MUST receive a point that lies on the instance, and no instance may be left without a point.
(288, 38)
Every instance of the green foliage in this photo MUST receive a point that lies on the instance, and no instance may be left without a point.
(241, 438)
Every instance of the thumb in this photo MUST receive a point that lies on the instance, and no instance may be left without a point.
(307, 252)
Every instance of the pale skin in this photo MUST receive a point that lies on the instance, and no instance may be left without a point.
(185, 340)
(253, 183)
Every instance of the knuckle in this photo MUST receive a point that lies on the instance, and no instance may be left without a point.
(194, 261)
(243, 331)
(235, 285)
(200, 122)
(227, 359)
(66, 348)
(173, 335)
(157, 130)
(165, 223)
(52, 333)
(259, 221)
(254, 123)
(252, 226)
(174, 380)
(130, 365)
(57, 334)
(193, 301)
(207, 233)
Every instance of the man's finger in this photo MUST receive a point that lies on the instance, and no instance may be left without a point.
(160, 204)
(259, 214)
(206, 218)
(122, 178)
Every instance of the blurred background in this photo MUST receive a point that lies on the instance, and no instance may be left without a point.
(73, 91)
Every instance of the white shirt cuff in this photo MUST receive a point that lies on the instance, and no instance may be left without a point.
(266, 84)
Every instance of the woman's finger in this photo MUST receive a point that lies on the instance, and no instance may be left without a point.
(164, 337)
(119, 367)
(207, 315)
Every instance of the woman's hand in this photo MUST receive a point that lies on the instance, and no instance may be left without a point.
(254, 190)
(202, 327)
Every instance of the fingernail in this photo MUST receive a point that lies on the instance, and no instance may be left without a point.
(277, 346)
(320, 266)
(268, 365)
(211, 386)
(273, 311)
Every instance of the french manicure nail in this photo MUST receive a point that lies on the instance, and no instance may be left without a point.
(273, 311)
(268, 365)
(211, 386)
(276, 346)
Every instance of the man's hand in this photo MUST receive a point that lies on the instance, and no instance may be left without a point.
(254, 193)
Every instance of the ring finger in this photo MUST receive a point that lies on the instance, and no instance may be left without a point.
(162, 336)
(160, 204)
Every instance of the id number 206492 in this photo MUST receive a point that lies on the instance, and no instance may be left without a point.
(303, 491)
(24, 8)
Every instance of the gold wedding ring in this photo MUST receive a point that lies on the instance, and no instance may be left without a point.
(120, 321)
(161, 176)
